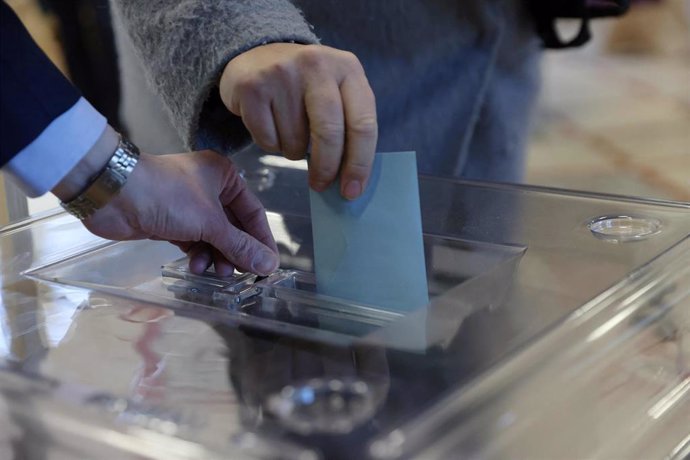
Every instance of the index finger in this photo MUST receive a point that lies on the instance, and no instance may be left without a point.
(249, 212)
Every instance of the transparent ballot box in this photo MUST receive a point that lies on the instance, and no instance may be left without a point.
(558, 327)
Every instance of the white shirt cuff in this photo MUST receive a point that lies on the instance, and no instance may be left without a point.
(43, 163)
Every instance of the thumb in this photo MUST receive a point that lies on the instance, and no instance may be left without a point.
(243, 250)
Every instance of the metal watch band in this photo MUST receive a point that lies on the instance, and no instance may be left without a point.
(108, 183)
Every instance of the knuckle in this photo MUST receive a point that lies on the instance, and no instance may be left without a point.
(313, 57)
(251, 87)
(233, 175)
(329, 133)
(231, 179)
(216, 234)
(365, 126)
(256, 216)
(283, 70)
(241, 249)
(351, 61)
(369, 93)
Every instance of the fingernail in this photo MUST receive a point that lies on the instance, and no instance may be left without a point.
(352, 189)
(264, 263)
(224, 270)
(199, 263)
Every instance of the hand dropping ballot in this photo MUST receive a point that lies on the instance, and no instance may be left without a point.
(370, 250)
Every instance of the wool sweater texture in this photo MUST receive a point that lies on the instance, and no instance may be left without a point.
(455, 80)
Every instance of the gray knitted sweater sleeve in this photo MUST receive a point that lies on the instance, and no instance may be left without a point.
(184, 46)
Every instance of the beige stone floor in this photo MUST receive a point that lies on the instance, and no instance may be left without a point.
(607, 122)
(615, 123)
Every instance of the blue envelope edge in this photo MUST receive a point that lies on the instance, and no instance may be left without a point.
(371, 250)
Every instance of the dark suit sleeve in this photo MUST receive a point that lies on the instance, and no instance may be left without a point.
(33, 92)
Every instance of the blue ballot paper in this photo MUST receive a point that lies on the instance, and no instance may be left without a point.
(370, 250)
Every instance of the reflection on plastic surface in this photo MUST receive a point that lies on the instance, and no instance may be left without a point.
(622, 229)
(531, 319)
(260, 179)
(628, 382)
(286, 295)
(323, 405)
(469, 275)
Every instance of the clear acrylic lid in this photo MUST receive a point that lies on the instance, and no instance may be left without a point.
(559, 325)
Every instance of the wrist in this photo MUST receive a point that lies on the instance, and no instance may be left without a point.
(102, 186)
(89, 167)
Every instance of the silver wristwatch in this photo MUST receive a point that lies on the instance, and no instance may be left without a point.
(107, 184)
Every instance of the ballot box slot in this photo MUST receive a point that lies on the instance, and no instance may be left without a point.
(287, 295)
(290, 295)
(473, 273)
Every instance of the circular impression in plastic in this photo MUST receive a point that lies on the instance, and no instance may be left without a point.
(622, 229)
(323, 405)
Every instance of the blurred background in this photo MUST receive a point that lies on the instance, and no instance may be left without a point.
(614, 115)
